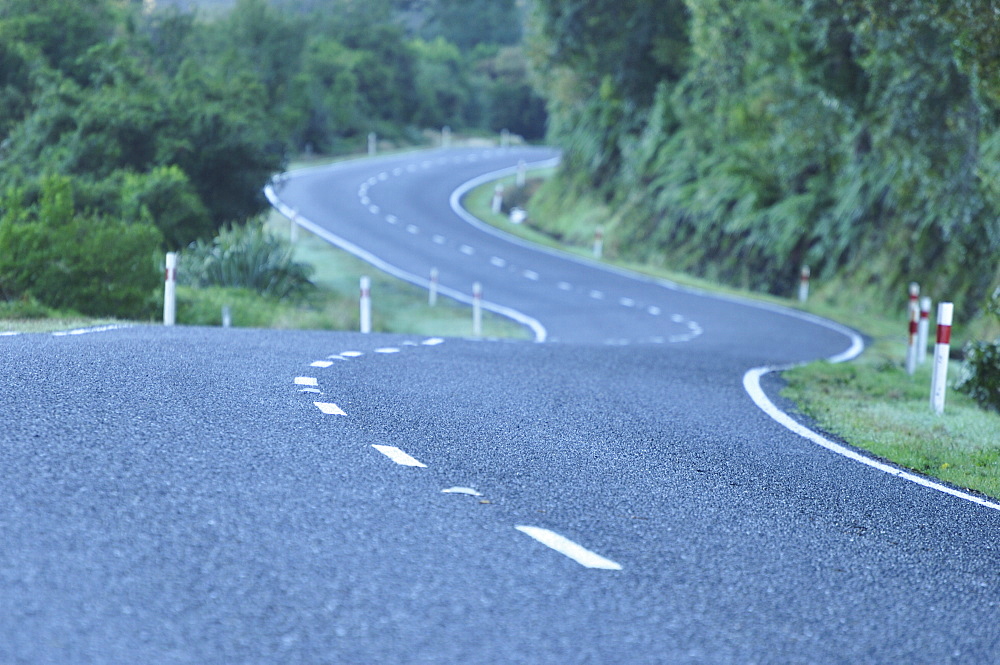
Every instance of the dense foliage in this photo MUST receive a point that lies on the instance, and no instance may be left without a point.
(245, 257)
(980, 376)
(741, 139)
(163, 125)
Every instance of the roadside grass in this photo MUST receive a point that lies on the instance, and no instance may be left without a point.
(870, 402)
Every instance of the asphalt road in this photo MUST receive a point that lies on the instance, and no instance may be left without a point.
(193, 495)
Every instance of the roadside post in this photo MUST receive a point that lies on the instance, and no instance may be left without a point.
(432, 292)
(522, 173)
(804, 276)
(477, 310)
(170, 290)
(446, 137)
(942, 349)
(372, 144)
(497, 203)
(598, 242)
(922, 329)
(366, 305)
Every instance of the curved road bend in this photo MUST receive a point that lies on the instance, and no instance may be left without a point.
(611, 496)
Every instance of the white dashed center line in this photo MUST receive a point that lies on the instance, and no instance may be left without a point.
(498, 262)
(596, 295)
(565, 286)
(530, 274)
(653, 310)
(438, 240)
(398, 456)
(567, 547)
(321, 363)
(465, 249)
(305, 381)
(330, 409)
(410, 228)
(626, 302)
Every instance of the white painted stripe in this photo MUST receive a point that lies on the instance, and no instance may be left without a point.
(433, 341)
(465, 249)
(397, 171)
(438, 240)
(412, 228)
(653, 310)
(305, 381)
(321, 363)
(565, 286)
(392, 219)
(461, 490)
(316, 391)
(329, 409)
(530, 274)
(9, 334)
(383, 176)
(374, 209)
(372, 181)
(567, 547)
(751, 382)
(365, 201)
(498, 262)
(352, 354)
(387, 350)
(596, 295)
(626, 302)
(87, 331)
(677, 318)
(398, 456)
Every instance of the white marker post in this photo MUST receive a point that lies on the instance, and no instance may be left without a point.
(227, 316)
(942, 349)
(598, 242)
(372, 144)
(170, 290)
(913, 317)
(432, 292)
(477, 310)
(804, 283)
(522, 173)
(922, 329)
(366, 305)
(504, 138)
(497, 204)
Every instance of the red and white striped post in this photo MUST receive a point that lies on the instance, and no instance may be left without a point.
(804, 283)
(913, 322)
(922, 329)
(942, 350)
(170, 290)
(366, 305)
(598, 242)
(477, 310)
(432, 292)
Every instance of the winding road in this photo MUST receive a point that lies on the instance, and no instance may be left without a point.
(611, 495)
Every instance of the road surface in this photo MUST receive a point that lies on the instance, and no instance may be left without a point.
(612, 495)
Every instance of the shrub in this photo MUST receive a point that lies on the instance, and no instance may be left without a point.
(245, 257)
(980, 377)
(78, 261)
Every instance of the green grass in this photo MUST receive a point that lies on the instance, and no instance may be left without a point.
(871, 402)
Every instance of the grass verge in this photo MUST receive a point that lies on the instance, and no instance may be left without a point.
(871, 402)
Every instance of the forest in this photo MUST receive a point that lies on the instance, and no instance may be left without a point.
(732, 139)
(130, 127)
(742, 139)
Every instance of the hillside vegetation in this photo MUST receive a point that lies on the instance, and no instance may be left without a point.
(741, 139)
(131, 128)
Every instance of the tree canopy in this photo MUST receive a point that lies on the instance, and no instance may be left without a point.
(741, 139)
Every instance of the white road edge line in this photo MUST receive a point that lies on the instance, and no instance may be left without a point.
(567, 547)
(398, 456)
(751, 383)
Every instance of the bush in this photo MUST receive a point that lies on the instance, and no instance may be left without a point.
(245, 257)
(980, 377)
(67, 260)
